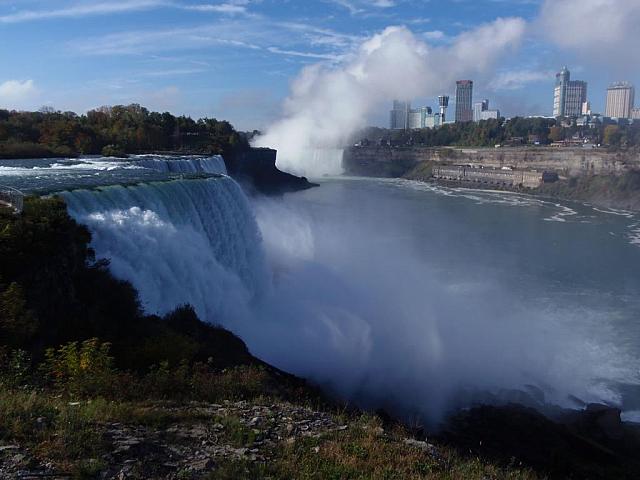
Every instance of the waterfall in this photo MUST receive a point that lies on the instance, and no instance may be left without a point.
(214, 164)
(178, 242)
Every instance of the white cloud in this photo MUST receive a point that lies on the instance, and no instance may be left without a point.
(434, 35)
(15, 93)
(517, 79)
(328, 103)
(604, 31)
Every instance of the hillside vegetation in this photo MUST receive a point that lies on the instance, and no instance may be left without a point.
(113, 131)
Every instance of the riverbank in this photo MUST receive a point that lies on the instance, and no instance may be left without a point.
(620, 192)
(602, 178)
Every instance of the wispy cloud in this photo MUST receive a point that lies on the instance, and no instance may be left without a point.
(252, 33)
(82, 10)
(517, 79)
(361, 6)
(295, 53)
(78, 10)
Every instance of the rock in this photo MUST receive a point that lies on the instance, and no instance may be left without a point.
(424, 446)
(606, 418)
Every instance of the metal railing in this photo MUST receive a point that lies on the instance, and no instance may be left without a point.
(12, 198)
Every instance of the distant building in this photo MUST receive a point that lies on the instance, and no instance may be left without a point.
(399, 115)
(490, 115)
(478, 108)
(569, 95)
(481, 111)
(620, 100)
(586, 108)
(418, 117)
(433, 121)
(443, 103)
(464, 101)
(635, 113)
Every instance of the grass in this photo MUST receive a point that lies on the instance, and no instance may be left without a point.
(362, 452)
(72, 435)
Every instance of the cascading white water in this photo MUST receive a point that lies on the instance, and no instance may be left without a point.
(213, 164)
(353, 305)
(182, 241)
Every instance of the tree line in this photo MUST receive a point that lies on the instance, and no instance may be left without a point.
(518, 130)
(116, 130)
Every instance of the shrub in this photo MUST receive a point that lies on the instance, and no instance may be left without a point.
(84, 369)
(18, 323)
(15, 368)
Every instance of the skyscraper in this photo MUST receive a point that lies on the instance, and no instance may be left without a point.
(620, 100)
(399, 115)
(464, 99)
(569, 95)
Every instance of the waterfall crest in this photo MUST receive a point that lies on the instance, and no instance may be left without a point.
(177, 242)
(213, 164)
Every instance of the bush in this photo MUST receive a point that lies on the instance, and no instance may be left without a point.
(84, 369)
(15, 368)
(18, 323)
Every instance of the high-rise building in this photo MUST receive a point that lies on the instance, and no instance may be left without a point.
(575, 99)
(418, 117)
(569, 95)
(464, 101)
(399, 115)
(620, 100)
(635, 113)
(478, 108)
(443, 102)
(481, 112)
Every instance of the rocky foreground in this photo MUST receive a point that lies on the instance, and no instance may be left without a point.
(267, 438)
(232, 440)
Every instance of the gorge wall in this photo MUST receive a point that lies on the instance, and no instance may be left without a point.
(384, 161)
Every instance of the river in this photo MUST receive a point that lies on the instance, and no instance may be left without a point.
(395, 293)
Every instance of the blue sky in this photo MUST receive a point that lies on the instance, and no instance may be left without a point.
(235, 59)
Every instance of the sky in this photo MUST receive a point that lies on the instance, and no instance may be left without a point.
(238, 59)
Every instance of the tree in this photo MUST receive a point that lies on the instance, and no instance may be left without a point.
(612, 135)
(556, 133)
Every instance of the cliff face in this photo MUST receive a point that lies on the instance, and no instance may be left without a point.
(396, 162)
(256, 169)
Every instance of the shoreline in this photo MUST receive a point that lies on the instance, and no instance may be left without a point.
(629, 204)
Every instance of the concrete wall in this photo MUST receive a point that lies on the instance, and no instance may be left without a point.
(395, 162)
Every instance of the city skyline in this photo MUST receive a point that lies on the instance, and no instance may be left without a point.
(236, 59)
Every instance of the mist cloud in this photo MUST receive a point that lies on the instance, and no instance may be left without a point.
(602, 31)
(328, 103)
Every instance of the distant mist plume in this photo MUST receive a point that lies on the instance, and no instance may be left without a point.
(328, 103)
